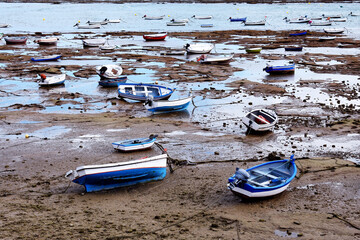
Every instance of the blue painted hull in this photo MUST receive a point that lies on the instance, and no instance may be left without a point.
(170, 108)
(237, 19)
(112, 82)
(298, 49)
(45, 59)
(280, 69)
(110, 180)
(298, 34)
(142, 97)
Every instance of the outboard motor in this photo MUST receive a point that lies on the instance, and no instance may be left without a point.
(241, 175)
(187, 46)
(103, 70)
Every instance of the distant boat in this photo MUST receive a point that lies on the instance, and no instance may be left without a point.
(253, 50)
(323, 39)
(153, 18)
(155, 37)
(338, 20)
(47, 41)
(332, 16)
(1, 35)
(296, 49)
(237, 19)
(206, 25)
(354, 14)
(198, 48)
(286, 69)
(176, 24)
(15, 40)
(264, 180)
(298, 33)
(321, 23)
(112, 82)
(202, 17)
(51, 81)
(254, 23)
(94, 26)
(46, 58)
(121, 174)
(141, 91)
(113, 20)
(260, 120)
(173, 52)
(98, 22)
(297, 20)
(109, 71)
(334, 30)
(135, 144)
(167, 105)
(214, 59)
(93, 42)
(107, 46)
(185, 20)
(4, 25)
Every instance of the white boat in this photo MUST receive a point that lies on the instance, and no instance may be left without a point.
(202, 17)
(259, 23)
(46, 41)
(323, 39)
(211, 59)
(320, 23)
(332, 16)
(93, 42)
(109, 71)
(260, 120)
(176, 24)
(298, 20)
(112, 20)
(186, 20)
(4, 25)
(135, 144)
(120, 174)
(199, 48)
(107, 47)
(354, 14)
(95, 26)
(334, 30)
(338, 20)
(153, 18)
(97, 22)
(51, 81)
(167, 105)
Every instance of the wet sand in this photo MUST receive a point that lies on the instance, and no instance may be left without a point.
(193, 201)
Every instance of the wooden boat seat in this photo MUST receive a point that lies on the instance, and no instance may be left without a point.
(283, 174)
(260, 173)
(259, 184)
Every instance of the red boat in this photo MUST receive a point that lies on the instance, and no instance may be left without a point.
(155, 37)
(15, 40)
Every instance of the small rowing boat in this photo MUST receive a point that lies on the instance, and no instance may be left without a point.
(285, 69)
(153, 18)
(237, 19)
(167, 105)
(47, 41)
(15, 40)
(209, 59)
(294, 49)
(259, 23)
(46, 58)
(253, 50)
(260, 120)
(155, 36)
(51, 81)
(109, 71)
(94, 26)
(298, 34)
(198, 48)
(135, 144)
(334, 30)
(202, 17)
(142, 91)
(93, 42)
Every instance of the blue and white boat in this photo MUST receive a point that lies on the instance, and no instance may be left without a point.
(112, 82)
(286, 69)
(237, 19)
(167, 106)
(46, 58)
(260, 120)
(298, 34)
(264, 180)
(141, 91)
(121, 174)
(135, 144)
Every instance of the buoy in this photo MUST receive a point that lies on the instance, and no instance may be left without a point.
(79, 21)
(156, 82)
(135, 14)
(43, 19)
(168, 15)
(26, 136)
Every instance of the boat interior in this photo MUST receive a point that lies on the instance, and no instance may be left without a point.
(269, 177)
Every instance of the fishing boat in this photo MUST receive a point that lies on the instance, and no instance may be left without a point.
(320, 23)
(298, 33)
(4, 25)
(259, 23)
(202, 17)
(185, 20)
(237, 19)
(51, 81)
(112, 82)
(295, 49)
(94, 26)
(253, 50)
(198, 48)
(135, 144)
(121, 174)
(176, 24)
(338, 20)
(141, 91)
(98, 22)
(260, 120)
(46, 58)
(153, 18)
(93, 42)
(167, 105)
(15, 40)
(155, 37)
(334, 30)
(109, 71)
(206, 25)
(47, 41)
(112, 20)
(354, 14)
(297, 20)
(332, 16)
(285, 69)
(264, 180)
(209, 59)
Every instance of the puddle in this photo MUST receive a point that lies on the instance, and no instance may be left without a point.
(286, 234)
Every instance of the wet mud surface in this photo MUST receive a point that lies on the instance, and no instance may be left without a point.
(75, 124)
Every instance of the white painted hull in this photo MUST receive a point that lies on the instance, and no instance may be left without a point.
(55, 80)
(112, 71)
(250, 120)
(199, 48)
(132, 148)
(93, 42)
(262, 194)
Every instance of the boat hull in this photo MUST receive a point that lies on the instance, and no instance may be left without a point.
(111, 82)
(15, 40)
(290, 69)
(169, 106)
(134, 144)
(48, 58)
(155, 37)
(298, 34)
(141, 92)
(252, 121)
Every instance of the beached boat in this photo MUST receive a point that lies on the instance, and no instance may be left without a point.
(323, 39)
(198, 48)
(260, 120)
(109, 71)
(107, 46)
(209, 59)
(135, 144)
(173, 52)
(93, 42)
(202, 17)
(153, 17)
(155, 37)
(237, 19)
(334, 30)
(51, 81)
(320, 23)
(176, 24)
(297, 20)
(206, 25)
(264, 180)
(285, 69)
(121, 174)
(112, 82)
(47, 41)
(259, 23)
(298, 33)
(167, 105)
(46, 58)
(295, 49)
(94, 26)
(15, 40)
(4, 25)
(141, 91)
(253, 50)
